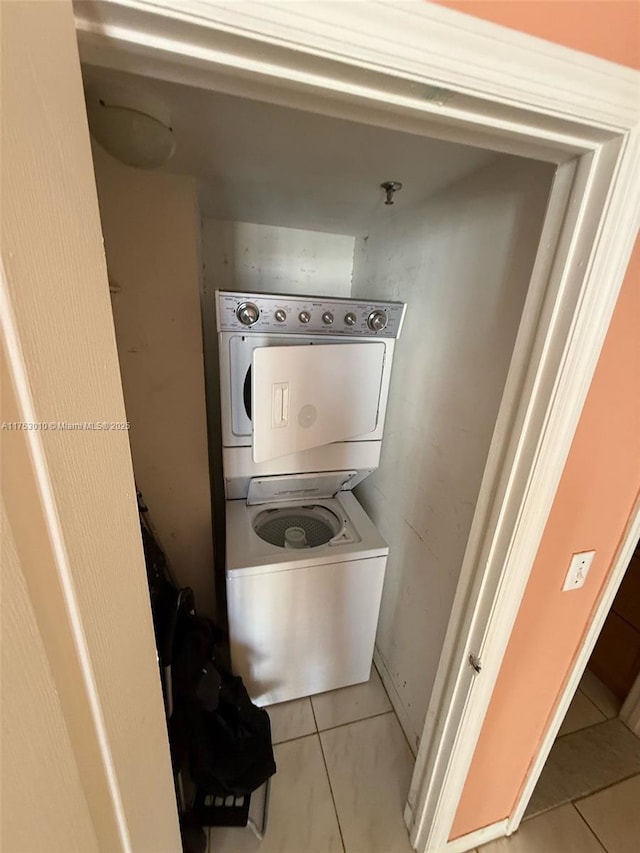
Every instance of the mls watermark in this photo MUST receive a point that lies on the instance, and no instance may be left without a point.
(66, 426)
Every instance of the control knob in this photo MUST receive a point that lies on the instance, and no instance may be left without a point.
(304, 316)
(327, 318)
(280, 314)
(350, 319)
(377, 321)
(248, 313)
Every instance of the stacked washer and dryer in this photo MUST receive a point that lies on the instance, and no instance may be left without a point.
(304, 387)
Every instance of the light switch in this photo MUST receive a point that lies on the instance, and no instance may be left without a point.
(578, 570)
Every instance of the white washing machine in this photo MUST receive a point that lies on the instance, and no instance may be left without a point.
(304, 388)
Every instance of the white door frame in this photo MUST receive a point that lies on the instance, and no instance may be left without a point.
(419, 67)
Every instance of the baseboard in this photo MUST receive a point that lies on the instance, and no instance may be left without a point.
(477, 838)
(412, 736)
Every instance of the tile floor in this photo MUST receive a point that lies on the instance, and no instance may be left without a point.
(593, 750)
(344, 769)
(606, 822)
(583, 803)
(584, 762)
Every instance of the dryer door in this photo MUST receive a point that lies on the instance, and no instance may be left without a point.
(309, 396)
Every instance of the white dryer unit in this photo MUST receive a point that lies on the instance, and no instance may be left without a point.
(304, 388)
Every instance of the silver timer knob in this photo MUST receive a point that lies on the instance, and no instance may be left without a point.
(376, 321)
(248, 313)
(304, 316)
(280, 314)
(327, 318)
(350, 319)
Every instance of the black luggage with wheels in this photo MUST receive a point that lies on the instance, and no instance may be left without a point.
(220, 741)
(226, 737)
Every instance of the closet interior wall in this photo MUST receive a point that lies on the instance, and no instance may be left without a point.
(151, 227)
(462, 261)
(463, 265)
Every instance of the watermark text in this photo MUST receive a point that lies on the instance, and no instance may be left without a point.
(66, 426)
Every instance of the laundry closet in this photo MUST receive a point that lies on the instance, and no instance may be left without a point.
(265, 199)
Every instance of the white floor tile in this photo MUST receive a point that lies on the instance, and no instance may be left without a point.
(614, 816)
(585, 762)
(351, 703)
(370, 767)
(559, 831)
(600, 695)
(582, 713)
(301, 814)
(290, 720)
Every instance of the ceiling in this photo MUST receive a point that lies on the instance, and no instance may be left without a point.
(267, 164)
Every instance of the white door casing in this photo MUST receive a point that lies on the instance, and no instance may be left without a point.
(421, 68)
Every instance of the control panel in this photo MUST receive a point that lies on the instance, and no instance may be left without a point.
(304, 315)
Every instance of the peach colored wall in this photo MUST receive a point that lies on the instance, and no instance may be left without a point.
(599, 485)
(606, 28)
(597, 491)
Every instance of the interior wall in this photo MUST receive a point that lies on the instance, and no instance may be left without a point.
(151, 231)
(606, 28)
(463, 266)
(74, 548)
(519, 712)
(36, 749)
(242, 256)
(597, 492)
(270, 259)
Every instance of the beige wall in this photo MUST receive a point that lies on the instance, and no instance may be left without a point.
(49, 809)
(74, 550)
(271, 259)
(151, 231)
(462, 262)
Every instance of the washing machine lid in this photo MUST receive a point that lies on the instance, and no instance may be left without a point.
(296, 487)
(309, 396)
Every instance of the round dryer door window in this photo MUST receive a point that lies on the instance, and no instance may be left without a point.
(298, 526)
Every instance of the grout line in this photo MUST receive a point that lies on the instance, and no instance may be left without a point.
(606, 787)
(581, 797)
(591, 702)
(589, 827)
(546, 810)
(326, 770)
(586, 728)
(332, 728)
(359, 720)
(313, 713)
(289, 739)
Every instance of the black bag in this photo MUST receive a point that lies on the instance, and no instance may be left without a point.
(226, 738)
